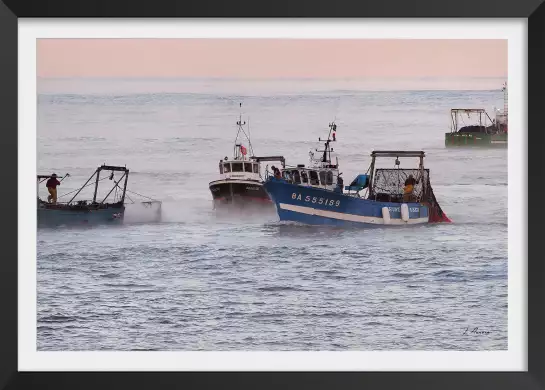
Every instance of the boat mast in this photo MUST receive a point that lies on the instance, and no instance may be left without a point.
(505, 100)
(240, 124)
(371, 175)
(85, 185)
(422, 169)
(96, 186)
(326, 157)
(125, 186)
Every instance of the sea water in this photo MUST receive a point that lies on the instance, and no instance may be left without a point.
(196, 280)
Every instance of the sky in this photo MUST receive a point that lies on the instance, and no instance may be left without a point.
(270, 58)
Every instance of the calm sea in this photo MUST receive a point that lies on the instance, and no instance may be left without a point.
(199, 281)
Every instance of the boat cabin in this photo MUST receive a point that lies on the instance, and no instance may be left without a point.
(326, 178)
(244, 165)
(242, 169)
(321, 172)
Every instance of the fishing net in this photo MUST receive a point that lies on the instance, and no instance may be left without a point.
(389, 183)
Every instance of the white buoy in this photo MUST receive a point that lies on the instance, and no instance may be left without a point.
(404, 212)
(386, 215)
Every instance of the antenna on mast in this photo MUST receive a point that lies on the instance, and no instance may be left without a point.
(250, 142)
(240, 125)
(326, 157)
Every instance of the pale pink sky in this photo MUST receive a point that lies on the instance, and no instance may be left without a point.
(269, 58)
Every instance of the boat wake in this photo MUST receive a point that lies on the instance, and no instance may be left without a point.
(245, 213)
(143, 212)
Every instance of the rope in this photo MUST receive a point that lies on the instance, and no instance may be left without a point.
(115, 194)
(143, 196)
(71, 192)
(117, 186)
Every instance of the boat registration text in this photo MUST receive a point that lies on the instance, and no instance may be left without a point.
(315, 199)
(398, 209)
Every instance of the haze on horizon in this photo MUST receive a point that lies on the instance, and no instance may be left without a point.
(271, 58)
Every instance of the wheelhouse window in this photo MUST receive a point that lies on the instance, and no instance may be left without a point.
(304, 177)
(226, 168)
(221, 169)
(329, 178)
(314, 178)
(247, 167)
(296, 177)
(322, 177)
(237, 167)
(256, 168)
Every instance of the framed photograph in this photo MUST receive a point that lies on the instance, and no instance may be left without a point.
(332, 195)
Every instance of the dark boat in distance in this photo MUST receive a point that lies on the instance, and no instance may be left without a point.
(487, 132)
(110, 209)
(240, 183)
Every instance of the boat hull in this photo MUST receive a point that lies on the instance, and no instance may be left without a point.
(472, 140)
(322, 207)
(239, 192)
(49, 216)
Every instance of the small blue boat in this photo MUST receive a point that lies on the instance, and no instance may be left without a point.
(382, 196)
(110, 209)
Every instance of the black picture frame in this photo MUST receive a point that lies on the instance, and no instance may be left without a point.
(11, 10)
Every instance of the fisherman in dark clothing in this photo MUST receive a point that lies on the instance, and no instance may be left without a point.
(51, 185)
(340, 184)
(276, 171)
(409, 188)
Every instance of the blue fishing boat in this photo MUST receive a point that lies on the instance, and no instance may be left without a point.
(110, 209)
(315, 194)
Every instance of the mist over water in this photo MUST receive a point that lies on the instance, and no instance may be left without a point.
(199, 279)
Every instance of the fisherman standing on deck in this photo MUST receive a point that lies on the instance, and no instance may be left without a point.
(340, 184)
(409, 188)
(276, 171)
(51, 185)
